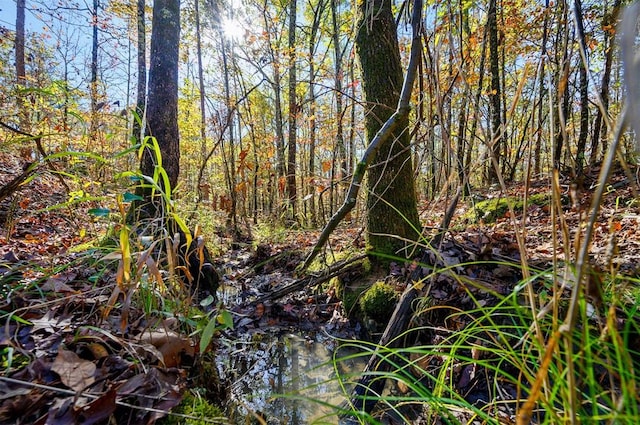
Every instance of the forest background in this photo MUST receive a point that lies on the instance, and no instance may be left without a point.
(274, 120)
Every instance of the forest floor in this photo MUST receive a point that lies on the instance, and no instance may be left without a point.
(69, 358)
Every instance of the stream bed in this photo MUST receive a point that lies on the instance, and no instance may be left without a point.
(287, 361)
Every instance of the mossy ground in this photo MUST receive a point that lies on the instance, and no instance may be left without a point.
(490, 210)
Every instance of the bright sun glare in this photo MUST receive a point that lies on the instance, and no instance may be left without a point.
(232, 29)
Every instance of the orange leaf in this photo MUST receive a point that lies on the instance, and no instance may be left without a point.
(24, 203)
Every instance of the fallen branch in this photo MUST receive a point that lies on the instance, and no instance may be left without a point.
(314, 279)
(17, 181)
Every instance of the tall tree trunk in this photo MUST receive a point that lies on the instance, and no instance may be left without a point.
(203, 112)
(315, 27)
(162, 108)
(293, 113)
(21, 79)
(561, 109)
(141, 91)
(21, 73)
(338, 161)
(584, 92)
(495, 94)
(392, 215)
(608, 24)
(230, 161)
(93, 82)
(537, 152)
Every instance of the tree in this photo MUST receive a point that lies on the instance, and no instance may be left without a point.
(21, 74)
(293, 112)
(392, 215)
(141, 93)
(495, 143)
(162, 106)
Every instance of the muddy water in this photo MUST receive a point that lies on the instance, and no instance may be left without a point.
(286, 378)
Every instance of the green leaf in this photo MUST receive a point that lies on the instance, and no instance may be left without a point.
(207, 334)
(207, 301)
(130, 197)
(225, 319)
(99, 212)
(183, 226)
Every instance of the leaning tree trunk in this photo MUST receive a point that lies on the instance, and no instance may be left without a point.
(392, 215)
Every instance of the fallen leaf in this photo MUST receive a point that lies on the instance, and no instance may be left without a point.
(74, 372)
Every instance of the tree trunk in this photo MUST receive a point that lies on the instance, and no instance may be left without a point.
(21, 73)
(495, 144)
(317, 14)
(561, 109)
(392, 215)
(584, 92)
(93, 82)
(537, 155)
(230, 160)
(141, 92)
(162, 108)
(609, 23)
(293, 114)
(339, 165)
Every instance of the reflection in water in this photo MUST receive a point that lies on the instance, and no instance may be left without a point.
(286, 378)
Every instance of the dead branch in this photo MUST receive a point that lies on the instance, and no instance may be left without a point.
(313, 279)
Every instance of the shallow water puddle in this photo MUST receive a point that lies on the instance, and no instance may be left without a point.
(285, 378)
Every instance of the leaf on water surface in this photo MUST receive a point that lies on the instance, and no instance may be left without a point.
(74, 372)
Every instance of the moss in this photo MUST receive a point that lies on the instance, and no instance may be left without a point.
(379, 301)
(194, 405)
(491, 210)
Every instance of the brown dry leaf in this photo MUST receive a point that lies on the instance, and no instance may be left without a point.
(97, 350)
(58, 282)
(170, 345)
(74, 372)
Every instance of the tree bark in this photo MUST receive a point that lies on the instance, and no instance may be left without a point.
(609, 23)
(495, 144)
(162, 108)
(141, 92)
(392, 215)
(338, 163)
(93, 82)
(293, 114)
(21, 77)
(584, 92)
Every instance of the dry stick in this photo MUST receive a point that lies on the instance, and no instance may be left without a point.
(402, 111)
